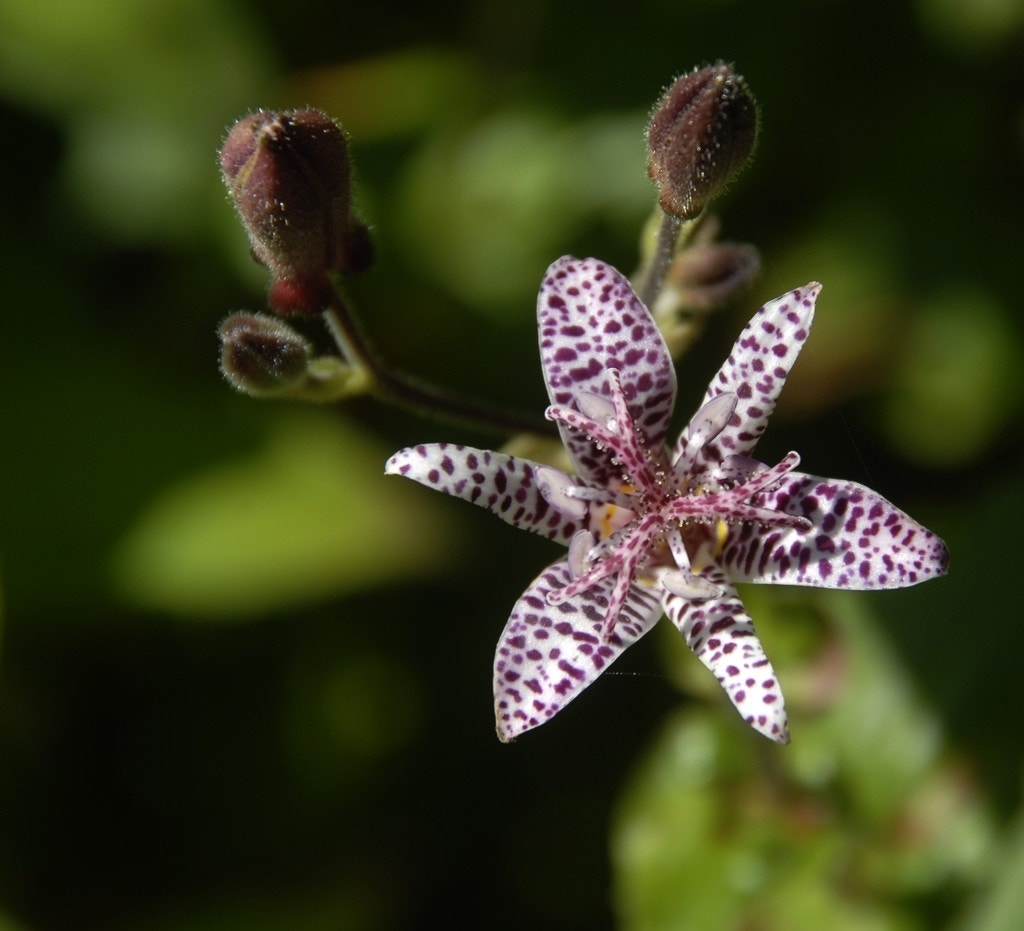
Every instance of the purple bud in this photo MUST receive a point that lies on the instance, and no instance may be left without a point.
(261, 354)
(700, 135)
(289, 175)
(309, 294)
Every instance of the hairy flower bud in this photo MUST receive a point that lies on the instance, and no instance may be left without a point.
(289, 175)
(262, 355)
(700, 135)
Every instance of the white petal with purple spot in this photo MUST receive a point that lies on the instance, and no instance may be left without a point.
(721, 635)
(756, 370)
(857, 540)
(505, 485)
(590, 321)
(548, 654)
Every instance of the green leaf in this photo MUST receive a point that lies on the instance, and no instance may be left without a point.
(1002, 906)
(308, 517)
(138, 121)
(958, 382)
(854, 825)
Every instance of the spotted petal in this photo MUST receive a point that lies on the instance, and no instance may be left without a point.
(590, 321)
(548, 654)
(756, 370)
(505, 485)
(857, 540)
(721, 635)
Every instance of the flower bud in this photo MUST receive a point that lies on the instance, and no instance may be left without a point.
(709, 274)
(700, 135)
(289, 175)
(261, 355)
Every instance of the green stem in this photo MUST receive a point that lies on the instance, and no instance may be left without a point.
(673, 232)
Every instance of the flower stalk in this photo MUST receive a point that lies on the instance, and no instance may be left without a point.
(396, 387)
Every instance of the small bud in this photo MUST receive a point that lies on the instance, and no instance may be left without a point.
(289, 175)
(700, 135)
(707, 275)
(261, 355)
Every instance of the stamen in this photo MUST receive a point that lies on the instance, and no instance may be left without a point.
(556, 488)
(712, 418)
(653, 511)
(604, 496)
(689, 586)
(598, 571)
(598, 408)
(618, 436)
(706, 424)
(580, 545)
(622, 562)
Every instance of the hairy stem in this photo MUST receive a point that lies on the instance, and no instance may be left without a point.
(673, 233)
(404, 390)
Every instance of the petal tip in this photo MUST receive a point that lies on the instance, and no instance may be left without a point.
(774, 727)
(504, 736)
(399, 463)
(509, 726)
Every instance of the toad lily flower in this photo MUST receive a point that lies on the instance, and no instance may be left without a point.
(654, 530)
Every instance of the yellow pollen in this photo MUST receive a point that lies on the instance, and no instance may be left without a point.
(608, 518)
(721, 534)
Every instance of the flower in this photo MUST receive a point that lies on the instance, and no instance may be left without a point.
(654, 530)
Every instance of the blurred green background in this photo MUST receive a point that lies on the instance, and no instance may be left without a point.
(245, 680)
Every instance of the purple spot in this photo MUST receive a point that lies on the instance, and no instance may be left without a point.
(569, 669)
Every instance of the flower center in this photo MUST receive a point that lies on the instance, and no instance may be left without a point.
(639, 526)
